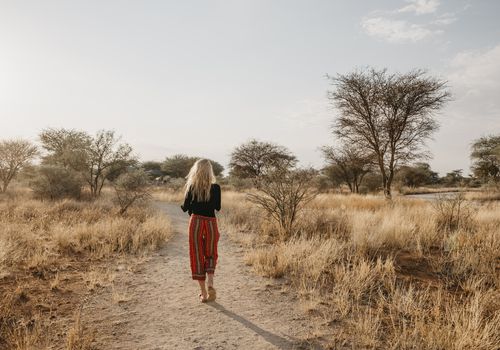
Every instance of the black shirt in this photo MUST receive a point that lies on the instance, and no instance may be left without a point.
(203, 208)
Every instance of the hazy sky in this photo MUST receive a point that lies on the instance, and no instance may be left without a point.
(200, 77)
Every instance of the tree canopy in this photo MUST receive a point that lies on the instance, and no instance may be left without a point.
(254, 158)
(390, 115)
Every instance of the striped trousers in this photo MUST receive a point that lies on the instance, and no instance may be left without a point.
(203, 239)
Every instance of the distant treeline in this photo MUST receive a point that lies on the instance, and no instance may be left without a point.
(380, 128)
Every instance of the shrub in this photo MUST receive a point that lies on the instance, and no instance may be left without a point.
(55, 182)
(130, 188)
(453, 212)
(282, 194)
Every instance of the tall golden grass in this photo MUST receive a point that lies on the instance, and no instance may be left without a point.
(53, 254)
(382, 274)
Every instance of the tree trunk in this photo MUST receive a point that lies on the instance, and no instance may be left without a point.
(350, 187)
(387, 188)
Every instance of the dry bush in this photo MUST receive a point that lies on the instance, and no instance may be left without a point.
(453, 212)
(130, 188)
(282, 193)
(51, 254)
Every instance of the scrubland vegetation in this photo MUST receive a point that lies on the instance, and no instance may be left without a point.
(379, 270)
(401, 274)
(53, 254)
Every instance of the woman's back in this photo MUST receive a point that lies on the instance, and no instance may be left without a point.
(203, 208)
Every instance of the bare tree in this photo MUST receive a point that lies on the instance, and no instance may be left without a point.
(254, 158)
(131, 187)
(282, 193)
(391, 115)
(348, 163)
(14, 154)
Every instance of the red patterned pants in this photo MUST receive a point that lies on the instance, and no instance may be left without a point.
(203, 239)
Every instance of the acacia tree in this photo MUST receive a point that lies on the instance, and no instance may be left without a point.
(349, 163)
(106, 159)
(254, 158)
(389, 115)
(67, 148)
(14, 155)
(94, 159)
(417, 175)
(485, 156)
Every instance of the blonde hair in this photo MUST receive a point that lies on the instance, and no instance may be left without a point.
(199, 180)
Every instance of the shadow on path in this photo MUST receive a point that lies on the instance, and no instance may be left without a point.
(276, 340)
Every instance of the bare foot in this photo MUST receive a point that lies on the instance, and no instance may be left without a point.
(203, 297)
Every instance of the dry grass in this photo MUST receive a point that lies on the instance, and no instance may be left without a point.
(52, 254)
(438, 189)
(385, 275)
(486, 196)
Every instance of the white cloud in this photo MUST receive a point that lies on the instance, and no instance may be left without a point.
(477, 71)
(396, 30)
(446, 19)
(474, 78)
(420, 7)
(399, 25)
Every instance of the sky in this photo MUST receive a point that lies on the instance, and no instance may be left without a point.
(201, 77)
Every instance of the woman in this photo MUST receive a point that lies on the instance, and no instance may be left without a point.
(201, 199)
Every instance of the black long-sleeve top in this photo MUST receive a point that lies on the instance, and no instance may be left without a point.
(203, 208)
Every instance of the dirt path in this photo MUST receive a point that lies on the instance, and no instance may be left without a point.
(161, 309)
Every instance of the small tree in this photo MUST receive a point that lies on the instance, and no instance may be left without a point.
(389, 115)
(106, 159)
(14, 155)
(348, 163)
(254, 158)
(67, 148)
(97, 159)
(417, 175)
(131, 187)
(486, 159)
(453, 178)
(56, 182)
(282, 193)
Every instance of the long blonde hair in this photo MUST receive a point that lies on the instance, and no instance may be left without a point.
(199, 180)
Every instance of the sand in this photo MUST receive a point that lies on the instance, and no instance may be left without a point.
(157, 305)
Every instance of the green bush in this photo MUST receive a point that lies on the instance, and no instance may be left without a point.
(55, 182)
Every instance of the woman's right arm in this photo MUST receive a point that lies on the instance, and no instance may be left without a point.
(187, 201)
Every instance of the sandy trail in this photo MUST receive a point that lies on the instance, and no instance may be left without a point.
(162, 310)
